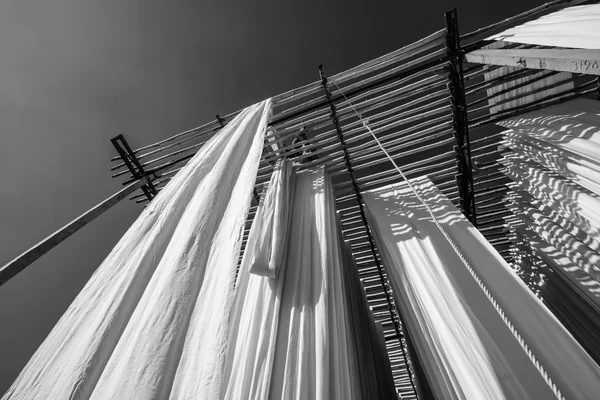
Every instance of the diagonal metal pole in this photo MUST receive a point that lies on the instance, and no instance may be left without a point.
(21, 262)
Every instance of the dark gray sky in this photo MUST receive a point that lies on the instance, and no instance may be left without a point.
(74, 73)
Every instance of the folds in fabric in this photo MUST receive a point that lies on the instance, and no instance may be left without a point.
(465, 347)
(554, 161)
(564, 138)
(152, 321)
(291, 337)
(273, 215)
(568, 292)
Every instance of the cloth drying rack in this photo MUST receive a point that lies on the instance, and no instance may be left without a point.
(431, 103)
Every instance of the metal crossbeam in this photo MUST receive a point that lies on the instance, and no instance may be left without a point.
(133, 164)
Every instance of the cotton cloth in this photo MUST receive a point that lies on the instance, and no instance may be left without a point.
(152, 321)
(291, 336)
(564, 138)
(465, 347)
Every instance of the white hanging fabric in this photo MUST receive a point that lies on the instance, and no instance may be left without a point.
(566, 138)
(151, 323)
(525, 90)
(554, 161)
(555, 158)
(291, 336)
(572, 27)
(464, 344)
(268, 248)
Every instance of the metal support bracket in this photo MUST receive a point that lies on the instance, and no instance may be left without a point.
(133, 164)
(255, 196)
(460, 123)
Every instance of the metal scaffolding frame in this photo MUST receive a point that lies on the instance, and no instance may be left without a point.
(428, 103)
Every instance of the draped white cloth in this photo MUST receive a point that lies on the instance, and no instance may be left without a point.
(152, 321)
(572, 27)
(465, 347)
(555, 161)
(273, 216)
(574, 261)
(555, 165)
(291, 337)
(374, 373)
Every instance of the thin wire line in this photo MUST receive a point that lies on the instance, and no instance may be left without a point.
(510, 326)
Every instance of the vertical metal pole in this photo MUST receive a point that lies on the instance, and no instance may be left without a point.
(359, 200)
(25, 259)
(456, 86)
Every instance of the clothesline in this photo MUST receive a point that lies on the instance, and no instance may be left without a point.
(464, 260)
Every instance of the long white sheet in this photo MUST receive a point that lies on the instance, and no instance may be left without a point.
(555, 159)
(573, 27)
(291, 336)
(152, 321)
(464, 345)
(555, 165)
(268, 249)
